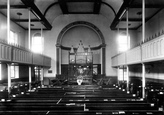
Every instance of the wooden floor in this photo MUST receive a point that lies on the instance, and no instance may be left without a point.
(77, 100)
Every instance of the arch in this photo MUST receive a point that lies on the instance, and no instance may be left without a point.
(78, 23)
(68, 27)
(40, 47)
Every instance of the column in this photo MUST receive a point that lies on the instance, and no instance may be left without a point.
(42, 76)
(30, 78)
(143, 80)
(118, 75)
(58, 59)
(128, 46)
(103, 64)
(29, 29)
(29, 43)
(41, 31)
(127, 68)
(8, 21)
(9, 77)
(8, 39)
(123, 74)
(143, 39)
(127, 28)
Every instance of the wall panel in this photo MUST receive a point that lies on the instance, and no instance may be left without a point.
(5, 52)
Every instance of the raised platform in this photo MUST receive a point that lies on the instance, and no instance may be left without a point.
(87, 80)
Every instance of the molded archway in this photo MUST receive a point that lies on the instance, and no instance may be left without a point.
(68, 27)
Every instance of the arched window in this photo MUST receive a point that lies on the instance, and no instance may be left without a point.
(123, 42)
(37, 43)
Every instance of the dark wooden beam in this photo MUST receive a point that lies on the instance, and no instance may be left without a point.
(25, 20)
(37, 13)
(125, 29)
(120, 13)
(13, 6)
(97, 6)
(80, 0)
(133, 19)
(63, 6)
(80, 12)
(147, 6)
(38, 29)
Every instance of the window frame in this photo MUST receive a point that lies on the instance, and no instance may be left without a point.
(36, 45)
(14, 72)
(122, 45)
(13, 38)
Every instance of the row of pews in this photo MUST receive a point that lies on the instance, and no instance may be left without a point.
(77, 100)
(154, 91)
(17, 88)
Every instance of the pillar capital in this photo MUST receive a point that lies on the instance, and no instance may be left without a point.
(58, 45)
(103, 45)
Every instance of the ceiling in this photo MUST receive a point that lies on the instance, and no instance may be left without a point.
(152, 7)
(43, 12)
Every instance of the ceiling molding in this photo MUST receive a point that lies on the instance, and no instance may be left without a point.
(37, 13)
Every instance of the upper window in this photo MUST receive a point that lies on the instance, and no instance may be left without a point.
(13, 38)
(37, 44)
(123, 42)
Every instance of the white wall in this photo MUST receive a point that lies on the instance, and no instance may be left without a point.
(73, 37)
(14, 27)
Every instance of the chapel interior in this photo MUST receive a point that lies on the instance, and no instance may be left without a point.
(81, 57)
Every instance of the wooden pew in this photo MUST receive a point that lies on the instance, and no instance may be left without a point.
(68, 100)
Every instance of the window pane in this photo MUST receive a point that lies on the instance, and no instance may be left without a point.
(13, 38)
(123, 43)
(37, 44)
(122, 75)
(14, 72)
